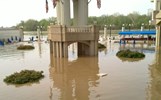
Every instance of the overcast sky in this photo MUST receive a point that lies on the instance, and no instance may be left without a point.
(15, 11)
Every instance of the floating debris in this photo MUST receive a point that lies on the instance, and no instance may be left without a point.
(102, 74)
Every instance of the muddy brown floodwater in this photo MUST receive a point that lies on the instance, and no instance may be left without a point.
(76, 78)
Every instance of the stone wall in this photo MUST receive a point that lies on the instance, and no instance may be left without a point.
(12, 34)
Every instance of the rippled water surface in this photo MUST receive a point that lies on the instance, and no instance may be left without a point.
(76, 78)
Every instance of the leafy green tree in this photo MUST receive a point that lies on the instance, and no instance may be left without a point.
(31, 25)
(43, 23)
(116, 20)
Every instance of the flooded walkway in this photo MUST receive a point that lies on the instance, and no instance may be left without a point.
(76, 78)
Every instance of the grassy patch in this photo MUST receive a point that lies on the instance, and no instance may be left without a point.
(25, 47)
(24, 76)
(129, 54)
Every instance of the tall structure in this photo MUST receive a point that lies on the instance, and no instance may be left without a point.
(80, 9)
(64, 34)
(61, 37)
(157, 20)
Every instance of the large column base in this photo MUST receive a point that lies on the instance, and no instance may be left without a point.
(59, 49)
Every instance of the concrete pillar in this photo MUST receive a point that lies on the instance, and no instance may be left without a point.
(51, 47)
(91, 49)
(54, 49)
(51, 53)
(65, 49)
(157, 5)
(158, 37)
(61, 51)
(96, 47)
(58, 10)
(65, 12)
(57, 50)
(75, 11)
(80, 12)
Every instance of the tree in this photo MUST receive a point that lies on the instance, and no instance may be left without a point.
(31, 25)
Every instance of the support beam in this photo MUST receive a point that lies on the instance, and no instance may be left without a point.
(57, 50)
(60, 49)
(54, 49)
(51, 47)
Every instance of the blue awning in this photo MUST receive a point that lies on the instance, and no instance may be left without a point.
(153, 32)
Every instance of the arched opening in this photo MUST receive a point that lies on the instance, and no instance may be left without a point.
(83, 49)
(72, 51)
(76, 49)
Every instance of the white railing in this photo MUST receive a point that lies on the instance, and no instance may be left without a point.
(72, 29)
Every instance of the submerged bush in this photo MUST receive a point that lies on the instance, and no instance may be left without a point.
(130, 54)
(24, 76)
(101, 46)
(25, 47)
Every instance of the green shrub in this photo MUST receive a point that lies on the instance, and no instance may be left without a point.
(101, 46)
(24, 76)
(129, 54)
(25, 47)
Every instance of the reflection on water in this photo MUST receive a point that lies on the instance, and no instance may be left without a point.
(76, 78)
(73, 79)
(141, 47)
(10, 51)
(130, 59)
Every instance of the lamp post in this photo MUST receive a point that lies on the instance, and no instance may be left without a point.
(95, 22)
(105, 32)
(129, 26)
(41, 27)
(142, 27)
(149, 24)
(123, 27)
(22, 34)
(110, 32)
(38, 33)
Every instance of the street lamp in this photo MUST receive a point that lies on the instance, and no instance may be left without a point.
(129, 26)
(41, 27)
(110, 32)
(22, 33)
(149, 24)
(142, 26)
(105, 32)
(38, 33)
(95, 22)
(123, 27)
